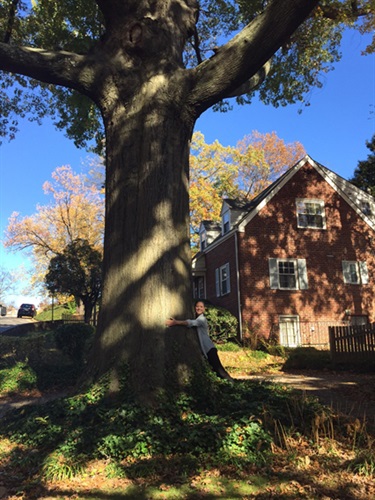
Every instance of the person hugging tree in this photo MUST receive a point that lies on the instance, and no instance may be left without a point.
(207, 346)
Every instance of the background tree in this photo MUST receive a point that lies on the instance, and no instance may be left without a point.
(76, 211)
(77, 271)
(6, 283)
(364, 174)
(240, 171)
(127, 60)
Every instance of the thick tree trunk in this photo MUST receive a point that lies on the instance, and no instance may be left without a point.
(147, 253)
(149, 103)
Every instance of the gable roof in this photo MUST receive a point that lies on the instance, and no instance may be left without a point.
(246, 211)
(354, 196)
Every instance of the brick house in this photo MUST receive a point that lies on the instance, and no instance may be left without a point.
(295, 259)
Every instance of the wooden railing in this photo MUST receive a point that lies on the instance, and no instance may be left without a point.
(352, 344)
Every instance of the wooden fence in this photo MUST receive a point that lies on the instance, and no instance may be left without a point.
(352, 344)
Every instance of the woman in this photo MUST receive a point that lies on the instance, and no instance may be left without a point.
(207, 346)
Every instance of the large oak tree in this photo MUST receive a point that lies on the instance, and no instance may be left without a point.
(126, 58)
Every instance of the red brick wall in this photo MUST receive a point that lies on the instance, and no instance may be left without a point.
(273, 233)
(217, 257)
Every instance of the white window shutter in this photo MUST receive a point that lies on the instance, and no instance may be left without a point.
(217, 282)
(302, 274)
(274, 274)
(346, 271)
(364, 273)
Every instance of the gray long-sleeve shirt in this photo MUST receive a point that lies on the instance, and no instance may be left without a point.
(202, 328)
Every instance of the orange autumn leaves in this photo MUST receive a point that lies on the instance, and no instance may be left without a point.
(76, 210)
(240, 171)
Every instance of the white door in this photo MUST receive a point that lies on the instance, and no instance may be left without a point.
(289, 331)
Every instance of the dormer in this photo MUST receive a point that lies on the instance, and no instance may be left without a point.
(232, 211)
(208, 232)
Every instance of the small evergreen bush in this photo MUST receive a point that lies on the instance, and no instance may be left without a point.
(223, 325)
(73, 338)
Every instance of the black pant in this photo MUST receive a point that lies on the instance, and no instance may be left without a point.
(215, 362)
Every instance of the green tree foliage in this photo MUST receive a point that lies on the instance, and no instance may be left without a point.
(77, 26)
(364, 174)
(77, 271)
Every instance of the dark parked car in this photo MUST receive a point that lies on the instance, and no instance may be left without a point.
(26, 310)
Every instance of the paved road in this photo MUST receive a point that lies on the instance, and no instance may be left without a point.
(7, 322)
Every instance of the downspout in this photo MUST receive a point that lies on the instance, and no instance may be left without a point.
(238, 284)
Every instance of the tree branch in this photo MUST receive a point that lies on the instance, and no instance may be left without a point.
(56, 67)
(253, 82)
(11, 19)
(242, 57)
(353, 11)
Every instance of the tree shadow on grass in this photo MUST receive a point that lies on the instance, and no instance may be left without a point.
(219, 426)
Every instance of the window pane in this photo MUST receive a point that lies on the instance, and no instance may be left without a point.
(310, 214)
(224, 277)
(287, 275)
(226, 222)
(200, 288)
(313, 208)
(353, 271)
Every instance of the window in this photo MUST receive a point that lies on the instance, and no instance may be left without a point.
(310, 214)
(198, 288)
(355, 273)
(288, 274)
(222, 279)
(226, 221)
(203, 239)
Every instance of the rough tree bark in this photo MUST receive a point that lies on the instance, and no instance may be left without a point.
(149, 103)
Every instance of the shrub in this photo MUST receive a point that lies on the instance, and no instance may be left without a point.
(73, 339)
(308, 358)
(223, 325)
(272, 347)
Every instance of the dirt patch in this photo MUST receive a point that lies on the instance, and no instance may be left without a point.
(12, 402)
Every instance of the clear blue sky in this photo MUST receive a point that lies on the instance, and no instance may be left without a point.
(333, 130)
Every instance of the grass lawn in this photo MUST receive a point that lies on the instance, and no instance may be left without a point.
(231, 441)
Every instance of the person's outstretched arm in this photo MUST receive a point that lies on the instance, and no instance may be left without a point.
(176, 322)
